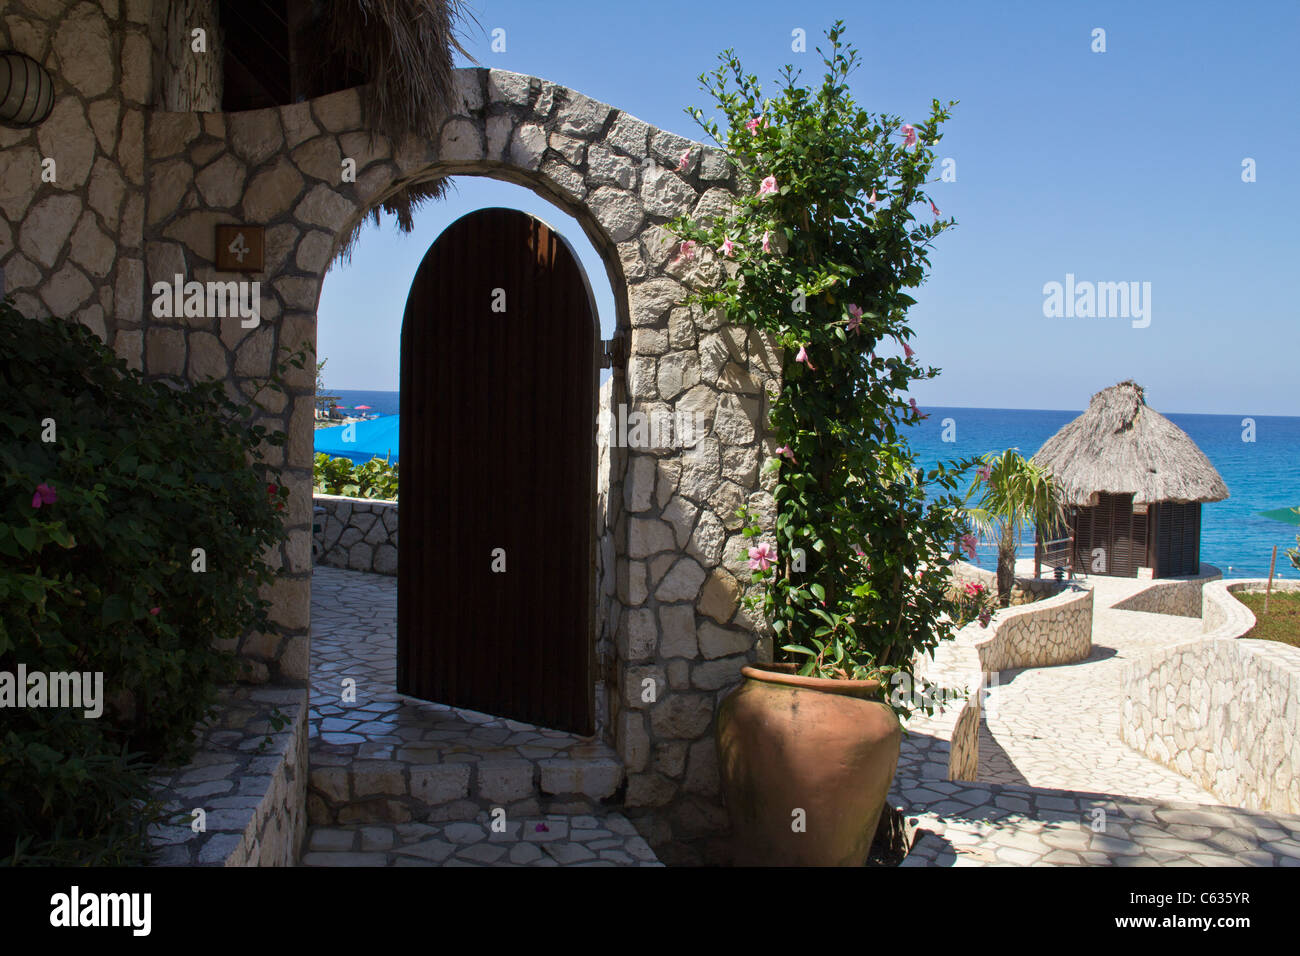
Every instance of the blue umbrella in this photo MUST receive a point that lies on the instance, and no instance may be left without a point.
(375, 438)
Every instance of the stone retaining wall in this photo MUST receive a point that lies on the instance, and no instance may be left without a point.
(1222, 711)
(250, 780)
(356, 533)
(1180, 597)
(1024, 591)
(1057, 630)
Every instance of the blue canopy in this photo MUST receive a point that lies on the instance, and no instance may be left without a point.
(374, 438)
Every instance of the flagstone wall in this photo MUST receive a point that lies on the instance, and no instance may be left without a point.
(359, 534)
(1222, 711)
(676, 631)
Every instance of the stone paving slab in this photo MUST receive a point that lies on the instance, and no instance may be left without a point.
(550, 840)
(387, 758)
(1057, 785)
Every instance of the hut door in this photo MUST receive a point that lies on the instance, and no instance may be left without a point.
(496, 518)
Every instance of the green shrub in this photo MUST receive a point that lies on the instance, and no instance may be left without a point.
(103, 576)
(377, 478)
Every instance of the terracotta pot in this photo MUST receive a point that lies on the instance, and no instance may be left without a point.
(789, 743)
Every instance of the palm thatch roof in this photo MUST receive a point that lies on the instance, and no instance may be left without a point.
(405, 49)
(1121, 446)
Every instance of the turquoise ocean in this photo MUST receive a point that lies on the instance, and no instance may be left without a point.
(1261, 475)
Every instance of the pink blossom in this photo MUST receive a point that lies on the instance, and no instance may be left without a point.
(803, 357)
(44, 496)
(912, 402)
(968, 542)
(753, 125)
(907, 351)
(684, 161)
(768, 186)
(785, 451)
(909, 134)
(984, 472)
(855, 317)
(728, 248)
(767, 242)
(934, 209)
(762, 557)
(872, 200)
(687, 249)
(154, 610)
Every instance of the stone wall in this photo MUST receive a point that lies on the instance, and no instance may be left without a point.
(71, 234)
(357, 533)
(675, 618)
(249, 779)
(1024, 591)
(1223, 711)
(1056, 630)
(1180, 597)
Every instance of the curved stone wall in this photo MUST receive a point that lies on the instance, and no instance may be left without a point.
(1057, 630)
(1222, 711)
(1181, 597)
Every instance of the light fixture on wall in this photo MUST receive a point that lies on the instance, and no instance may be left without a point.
(26, 90)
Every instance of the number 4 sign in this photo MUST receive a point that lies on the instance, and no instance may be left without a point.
(240, 248)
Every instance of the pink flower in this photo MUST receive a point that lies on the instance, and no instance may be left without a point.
(687, 249)
(984, 472)
(803, 357)
(785, 451)
(907, 351)
(968, 541)
(754, 124)
(684, 161)
(767, 242)
(917, 411)
(909, 134)
(728, 248)
(154, 610)
(855, 317)
(768, 186)
(44, 496)
(934, 209)
(872, 200)
(762, 557)
(984, 619)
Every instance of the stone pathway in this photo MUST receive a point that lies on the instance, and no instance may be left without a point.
(1056, 783)
(388, 764)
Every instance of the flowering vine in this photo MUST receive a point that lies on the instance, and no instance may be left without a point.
(833, 188)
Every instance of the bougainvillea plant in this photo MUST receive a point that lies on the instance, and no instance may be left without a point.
(832, 227)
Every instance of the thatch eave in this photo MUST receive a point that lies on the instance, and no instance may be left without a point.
(1121, 446)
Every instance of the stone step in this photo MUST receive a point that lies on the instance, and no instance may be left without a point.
(606, 839)
(438, 783)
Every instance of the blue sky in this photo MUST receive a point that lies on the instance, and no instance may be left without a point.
(1122, 166)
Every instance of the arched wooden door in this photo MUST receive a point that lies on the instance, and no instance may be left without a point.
(498, 405)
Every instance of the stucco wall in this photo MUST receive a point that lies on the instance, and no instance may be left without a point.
(1222, 711)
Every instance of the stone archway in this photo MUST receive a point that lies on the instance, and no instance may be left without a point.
(673, 632)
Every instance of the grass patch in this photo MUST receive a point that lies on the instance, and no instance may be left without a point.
(1282, 623)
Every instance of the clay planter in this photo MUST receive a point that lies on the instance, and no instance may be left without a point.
(787, 743)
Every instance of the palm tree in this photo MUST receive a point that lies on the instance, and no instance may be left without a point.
(1013, 494)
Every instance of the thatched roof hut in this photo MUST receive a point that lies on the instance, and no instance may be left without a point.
(1134, 482)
